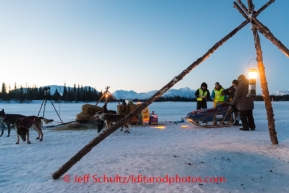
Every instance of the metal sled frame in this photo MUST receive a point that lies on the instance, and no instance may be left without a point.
(203, 121)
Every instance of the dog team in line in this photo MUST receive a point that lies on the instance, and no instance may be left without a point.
(236, 95)
(24, 123)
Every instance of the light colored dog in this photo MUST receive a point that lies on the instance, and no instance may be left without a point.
(109, 119)
(23, 124)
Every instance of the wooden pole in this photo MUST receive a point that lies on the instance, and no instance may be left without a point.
(240, 10)
(250, 6)
(262, 28)
(265, 6)
(264, 86)
(86, 149)
(269, 35)
(142, 106)
(260, 10)
(105, 95)
(265, 91)
(113, 97)
(242, 5)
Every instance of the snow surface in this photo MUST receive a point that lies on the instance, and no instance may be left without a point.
(247, 160)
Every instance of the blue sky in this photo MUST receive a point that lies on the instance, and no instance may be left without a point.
(135, 45)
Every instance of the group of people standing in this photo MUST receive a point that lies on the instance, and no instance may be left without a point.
(236, 95)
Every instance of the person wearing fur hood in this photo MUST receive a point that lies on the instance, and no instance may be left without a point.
(244, 104)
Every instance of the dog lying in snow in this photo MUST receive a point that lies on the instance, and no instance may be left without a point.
(23, 124)
(109, 119)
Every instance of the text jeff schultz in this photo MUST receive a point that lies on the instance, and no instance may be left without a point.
(86, 178)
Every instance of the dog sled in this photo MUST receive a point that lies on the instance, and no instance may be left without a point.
(220, 116)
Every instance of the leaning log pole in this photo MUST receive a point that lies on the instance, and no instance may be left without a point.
(269, 35)
(261, 27)
(139, 109)
(86, 149)
(265, 91)
(263, 81)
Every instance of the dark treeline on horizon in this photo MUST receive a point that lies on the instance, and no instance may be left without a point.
(80, 94)
(273, 98)
(75, 94)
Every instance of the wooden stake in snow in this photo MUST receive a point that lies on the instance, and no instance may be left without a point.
(265, 91)
(138, 110)
(266, 32)
(262, 74)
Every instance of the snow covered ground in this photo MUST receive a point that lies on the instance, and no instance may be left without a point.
(247, 160)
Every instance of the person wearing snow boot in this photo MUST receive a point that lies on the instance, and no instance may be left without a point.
(230, 92)
(202, 95)
(244, 104)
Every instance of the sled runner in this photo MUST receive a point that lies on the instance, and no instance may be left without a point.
(220, 116)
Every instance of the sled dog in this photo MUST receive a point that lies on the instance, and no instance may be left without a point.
(109, 119)
(8, 119)
(23, 124)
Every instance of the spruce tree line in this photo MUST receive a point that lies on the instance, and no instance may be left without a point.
(75, 94)
(81, 94)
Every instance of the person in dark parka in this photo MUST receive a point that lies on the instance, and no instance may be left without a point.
(230, 92)
(244, 104)
(202, 95)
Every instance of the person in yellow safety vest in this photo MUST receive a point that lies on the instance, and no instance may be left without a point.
(202, 95)
(217, 94)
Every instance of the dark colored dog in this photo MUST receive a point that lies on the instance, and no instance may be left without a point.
(8, 119)
(99, 123)
(23, 124)
(109, 119)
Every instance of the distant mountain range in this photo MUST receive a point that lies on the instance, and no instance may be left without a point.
(281, 92)
(182, 92)
(125, 94)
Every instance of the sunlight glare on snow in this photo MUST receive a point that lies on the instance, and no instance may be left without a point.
(159, 127)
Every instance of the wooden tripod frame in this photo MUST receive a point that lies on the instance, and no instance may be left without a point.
(106, 94)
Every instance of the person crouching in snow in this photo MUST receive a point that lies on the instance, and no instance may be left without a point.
(202, 95)
(217, 95)
(244, 104)
(230, 92)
